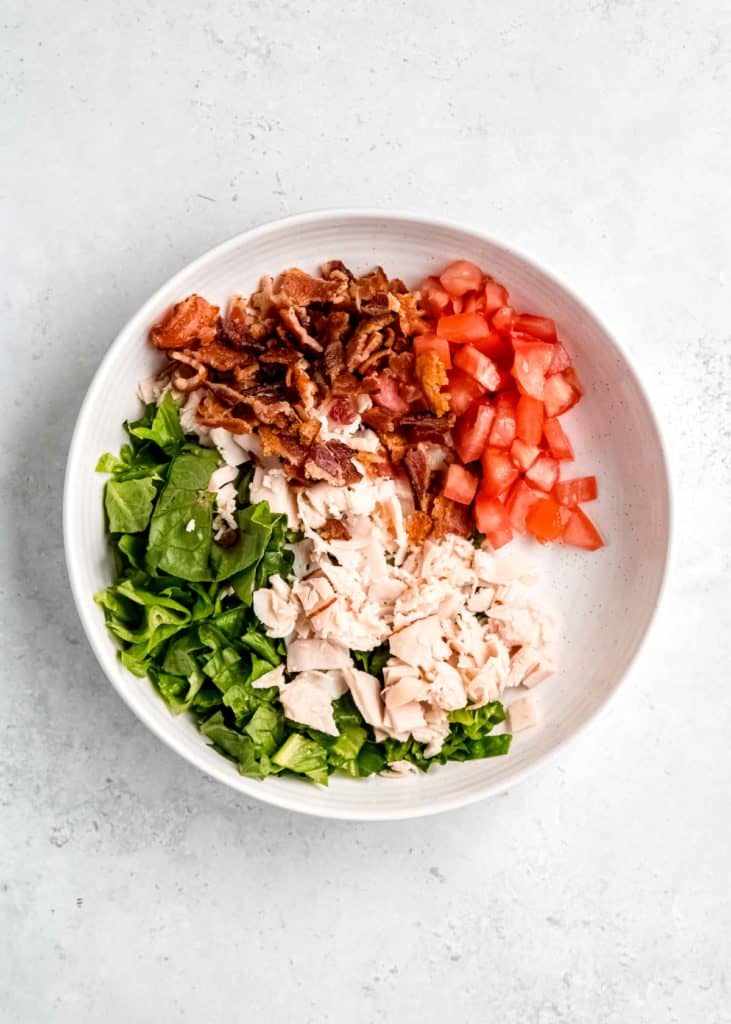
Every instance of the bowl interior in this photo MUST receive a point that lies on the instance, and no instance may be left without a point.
(604, 600)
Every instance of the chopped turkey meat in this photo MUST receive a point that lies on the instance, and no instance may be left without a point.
(522, 714)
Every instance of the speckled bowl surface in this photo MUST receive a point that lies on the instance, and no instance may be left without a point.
(605, 600)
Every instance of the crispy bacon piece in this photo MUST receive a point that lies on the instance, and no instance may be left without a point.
(381, 420)
(308, 431)
(334, 529)
(283, 445)
(418, 527)
(405, 305)
(401, 365)
(343, 411)
(220, 357)
(450, 517)
(432, 375)
(331, 461)
(367, 338)
(234, 326)
(370, 285)
(395, 444)
(211, 412)
(188, 321)
(292, 322)
(296, 288)
(298, 378)
(244, 373)
(419, 474)
(187, 382)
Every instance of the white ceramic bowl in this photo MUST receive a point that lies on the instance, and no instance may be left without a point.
(606, 599)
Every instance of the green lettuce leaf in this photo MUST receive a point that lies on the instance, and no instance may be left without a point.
(128, 504)
(164, 430)
(303, 757)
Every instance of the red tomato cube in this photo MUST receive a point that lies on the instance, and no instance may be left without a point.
(472, 430)
(539, 326)
(503, 429)
(556, 439)
(497, 347)
(463, 327)
(502, 319)
(532, 359)
(425, 342)
(523, 455)
(573, 492)
(460, 485)
(434, 297)
(520, 500)
(529, 419)
(498, 472)
(543, 474)
(476, 364)
(461, 277)
(498, 538)
(560, 361)
(495, 296)
(463, 391)
(559, 394)
(580, 532)
(546, 519)
(490, 514)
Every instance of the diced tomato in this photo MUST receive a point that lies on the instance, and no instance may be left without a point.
(473, 302)
(546, 519)
(490, 514)
(507, 381)
(520, 500)
(502, 434)
(461, 277)
(472, 430)
(502, 319)
(524, 455)
(426, 342)
(560, 361)
(495, 296)
(539, 326)
(580, 532)
(476, 364)
(529, 419)
(498, 538)
(559, 393)
(463, 327)
(498, 472)
(556, 439)
(543, 474)
(532, 359)
(434, 296)
(463, 391)
(569, 375)
(497, 347)
(460, 485)
(388, 396)
(573, 492)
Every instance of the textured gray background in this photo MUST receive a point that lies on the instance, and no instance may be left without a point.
(595, 136)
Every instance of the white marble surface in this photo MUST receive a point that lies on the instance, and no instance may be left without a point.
(594, 135)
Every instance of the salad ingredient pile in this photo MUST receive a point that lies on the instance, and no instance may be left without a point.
(305, 520)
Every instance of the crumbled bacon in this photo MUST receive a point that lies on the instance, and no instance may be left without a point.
(298, 377)
(301, 344)
(343, 411)
(212, 412)
(367, 339)
(190, 381)
(293, 323)
(419, 473)
(188, 321)
(432, 375)
(296, 288)
(331, 461)
(334, 529)
(418, 527)
(450, 517)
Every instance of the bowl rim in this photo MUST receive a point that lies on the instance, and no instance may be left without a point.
(285, 799)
